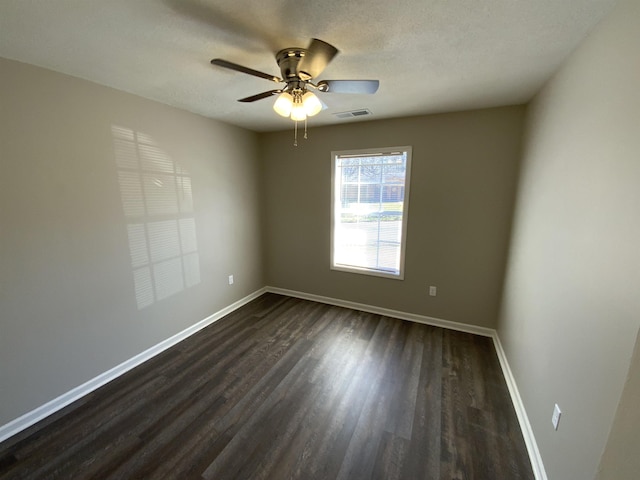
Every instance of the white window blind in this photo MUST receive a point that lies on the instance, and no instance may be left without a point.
(369, 216)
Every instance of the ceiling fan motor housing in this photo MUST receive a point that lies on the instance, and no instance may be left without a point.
(288, 61)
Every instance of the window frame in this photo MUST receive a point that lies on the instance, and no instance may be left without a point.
(335, 201)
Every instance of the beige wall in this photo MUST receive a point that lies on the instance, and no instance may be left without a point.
(621, 458)
(571, 308)
(70, 218)
(464, 169)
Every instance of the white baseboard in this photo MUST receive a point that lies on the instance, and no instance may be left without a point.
(527, 432)
(436, 322)
(34, 416)
(523, 419)
(43, 411)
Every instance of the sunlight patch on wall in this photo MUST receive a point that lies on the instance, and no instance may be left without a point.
(157, 201)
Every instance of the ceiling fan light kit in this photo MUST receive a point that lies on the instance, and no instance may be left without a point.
(297, 105)
(298, 67)
(297, 112)
(312, 104)
(283, 104)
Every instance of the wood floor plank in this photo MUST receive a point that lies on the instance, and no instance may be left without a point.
(423, 459)
(360, 458)
(285, 388)
(456, 453)
(406, 377)
(267, 424)
(333, 373)
(392, 454)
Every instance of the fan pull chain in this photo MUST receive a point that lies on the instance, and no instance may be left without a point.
(295, 134)
(305, 128)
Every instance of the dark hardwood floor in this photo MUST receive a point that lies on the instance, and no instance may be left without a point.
(291, 389)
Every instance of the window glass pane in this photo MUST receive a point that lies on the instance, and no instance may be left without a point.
(369, 218)
(370, 173)
(350, 173)
(394, 173)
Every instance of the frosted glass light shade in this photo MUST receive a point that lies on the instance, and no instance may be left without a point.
(311, 104)
(283, 104)
(298, 113)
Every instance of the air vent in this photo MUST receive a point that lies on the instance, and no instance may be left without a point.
(353, 113)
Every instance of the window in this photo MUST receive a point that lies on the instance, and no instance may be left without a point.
(370, 193)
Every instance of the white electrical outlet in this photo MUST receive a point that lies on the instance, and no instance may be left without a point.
(230, 279)
(555, 418)
(433, 291)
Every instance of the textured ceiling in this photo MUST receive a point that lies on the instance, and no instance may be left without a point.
(429, 55)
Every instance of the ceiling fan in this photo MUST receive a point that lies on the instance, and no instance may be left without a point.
(298, 67)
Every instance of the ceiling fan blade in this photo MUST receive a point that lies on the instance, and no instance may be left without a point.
(260, 96)
(318, 56)
(239, 68)
(349, 86)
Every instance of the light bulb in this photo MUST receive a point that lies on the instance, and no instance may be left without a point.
(283, 104)
(311, 104)
(298, 113)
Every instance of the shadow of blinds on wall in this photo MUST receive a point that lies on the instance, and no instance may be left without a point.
(157, 201)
